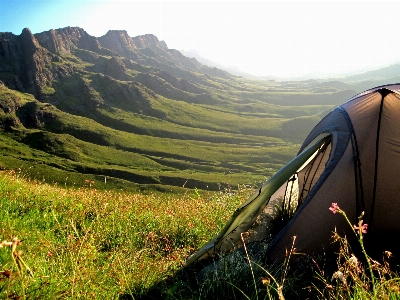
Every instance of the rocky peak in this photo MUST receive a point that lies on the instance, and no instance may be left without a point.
(24, 64)
(28, 42)
(7, 40)
(148, 41)
(117, 41)
(64, 40)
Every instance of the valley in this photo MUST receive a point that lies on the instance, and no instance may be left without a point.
(129, 113)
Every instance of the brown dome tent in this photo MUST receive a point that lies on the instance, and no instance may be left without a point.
(352, 157)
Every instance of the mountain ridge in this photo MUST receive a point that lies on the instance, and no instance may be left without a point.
(143, 115)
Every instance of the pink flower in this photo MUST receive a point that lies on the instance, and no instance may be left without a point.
(361, 227)
(334, 208)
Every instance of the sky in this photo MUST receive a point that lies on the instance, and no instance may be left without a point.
(262, 38)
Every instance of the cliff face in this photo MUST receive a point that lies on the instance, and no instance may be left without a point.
(118, 41)
(23, 62)
(143, 47)
(36, 63)
(63, 40)
(148, 41)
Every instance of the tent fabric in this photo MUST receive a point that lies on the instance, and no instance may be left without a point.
(361, 179)
(245, 217)
(351, 157)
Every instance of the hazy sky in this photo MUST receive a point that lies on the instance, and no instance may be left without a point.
(278, 38)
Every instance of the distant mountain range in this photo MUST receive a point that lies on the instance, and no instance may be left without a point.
(130, 113)
(209, 63)
(385, 72)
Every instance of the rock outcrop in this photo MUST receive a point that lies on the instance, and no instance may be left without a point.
(34, 63)
(118, 41)
(63, 40)
(143, 47)
(23, 62)
(148, 41)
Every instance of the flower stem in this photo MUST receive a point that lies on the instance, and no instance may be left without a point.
(359, 235)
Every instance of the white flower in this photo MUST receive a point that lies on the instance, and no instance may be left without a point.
(339, 276)
(353, 261)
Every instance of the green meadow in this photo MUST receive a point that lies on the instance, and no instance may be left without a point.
(116, 165)
(81, 243)
(160, 143)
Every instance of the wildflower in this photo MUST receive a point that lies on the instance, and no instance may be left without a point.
(361, 228)
(353, 261)
(265, 281)
(49, 254)
(336, 236)
(339, 276)
(334, 208)
(329, 287)
(388, 254)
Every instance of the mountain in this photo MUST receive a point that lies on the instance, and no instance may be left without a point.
(130, 113)
(210, 63)
(361, 80)
(367, 79)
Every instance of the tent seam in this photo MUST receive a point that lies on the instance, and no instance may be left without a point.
(376, 161)
(357, 164)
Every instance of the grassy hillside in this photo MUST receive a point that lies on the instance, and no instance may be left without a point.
(143, 117)
(82, 243)
(45, 135)
(158, 142)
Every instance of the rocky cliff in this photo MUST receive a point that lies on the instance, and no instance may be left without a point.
(63, 40)
(145, 47)
(33, 63)
(24, 63)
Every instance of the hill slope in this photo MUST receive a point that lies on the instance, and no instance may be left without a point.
(130, 112)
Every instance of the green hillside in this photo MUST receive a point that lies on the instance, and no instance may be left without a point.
(145, 117)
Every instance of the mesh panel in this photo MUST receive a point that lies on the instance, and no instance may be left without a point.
(289, 197)
(268, 210)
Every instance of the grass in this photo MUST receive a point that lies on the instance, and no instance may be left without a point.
(80, 215)
(359, 277)
(242, 275)
(79, 242)
(82, 243)
(131, 147)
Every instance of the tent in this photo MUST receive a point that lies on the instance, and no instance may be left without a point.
(351, 157)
